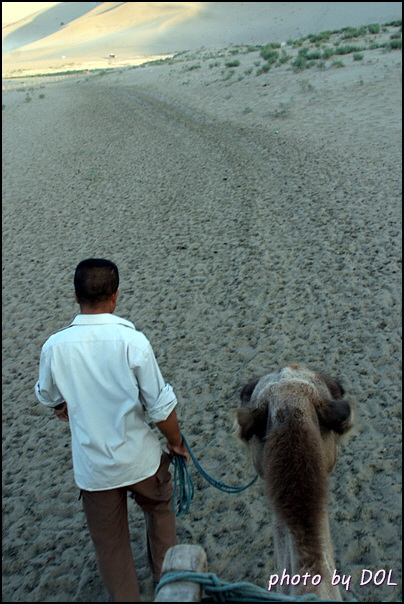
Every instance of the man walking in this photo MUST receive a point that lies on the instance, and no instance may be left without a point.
(100, 375)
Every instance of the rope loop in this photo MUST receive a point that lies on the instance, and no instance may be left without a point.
(183, 484)
(219, 591)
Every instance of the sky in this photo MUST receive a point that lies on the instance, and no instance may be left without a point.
(14, 11)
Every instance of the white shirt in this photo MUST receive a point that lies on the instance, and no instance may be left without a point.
(108, 375)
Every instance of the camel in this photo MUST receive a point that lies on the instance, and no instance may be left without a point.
(292, 421)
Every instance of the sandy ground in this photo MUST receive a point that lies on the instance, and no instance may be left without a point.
(255, 221)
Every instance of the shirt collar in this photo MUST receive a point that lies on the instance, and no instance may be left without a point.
(101, 319)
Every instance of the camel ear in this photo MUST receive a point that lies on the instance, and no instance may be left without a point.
(246, 392)
(335, 387)
(252, 422)
(336, 415)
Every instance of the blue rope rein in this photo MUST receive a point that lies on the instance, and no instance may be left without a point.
(183, 484)
(219, 591)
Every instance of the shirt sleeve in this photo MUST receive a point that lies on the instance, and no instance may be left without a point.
(156, 396)
(45, 388)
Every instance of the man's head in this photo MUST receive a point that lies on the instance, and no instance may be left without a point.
(96, 282)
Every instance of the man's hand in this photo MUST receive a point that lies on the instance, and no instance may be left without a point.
(61, 412)
(179, 450)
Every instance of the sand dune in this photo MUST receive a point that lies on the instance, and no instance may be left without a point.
(42, 24)
(80, 33)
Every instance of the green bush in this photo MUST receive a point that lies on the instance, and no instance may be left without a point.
(357, 56)
(284, 58)
(374, 28)
(300, 63)
(321, 37)
(264, 69)
(394, 44)
(191, 67)
(230, 64)
(269, 53)
(313, 56)
(295, 43)
(353, 32)
(328, 53)
(346, 50)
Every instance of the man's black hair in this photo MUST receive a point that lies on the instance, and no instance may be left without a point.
(95, 280)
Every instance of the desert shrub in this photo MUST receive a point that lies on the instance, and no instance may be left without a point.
(357, 56)
(396, 36)
(346, 50)
(215, 64)
(295, 43)
(314, 55)
(192, 67)
(394, 44)
(284, 58)
(328, 52)
(42, 96)
(269, 46)
(337, 64)
(374, 28)
(269, 53)
(321, 37)
(353, 32)
(300, 63)
(230, 64)
(264, 68)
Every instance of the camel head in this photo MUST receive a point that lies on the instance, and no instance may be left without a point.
(293, 393)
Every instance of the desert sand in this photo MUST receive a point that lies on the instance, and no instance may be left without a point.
(255, 220)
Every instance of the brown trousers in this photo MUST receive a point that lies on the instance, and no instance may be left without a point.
(107, 520)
